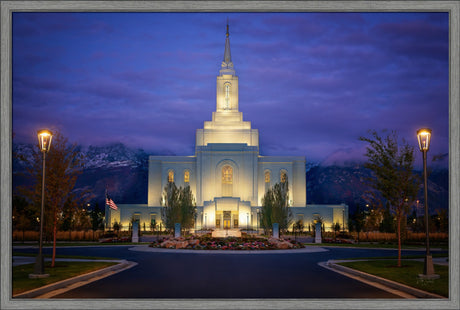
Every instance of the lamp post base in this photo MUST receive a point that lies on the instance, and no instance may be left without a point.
(428, 272)
(38, 275)
(39, 268)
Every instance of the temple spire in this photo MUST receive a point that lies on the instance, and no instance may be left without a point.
(227, 64)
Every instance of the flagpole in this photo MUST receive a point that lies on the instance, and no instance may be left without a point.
(108, 215)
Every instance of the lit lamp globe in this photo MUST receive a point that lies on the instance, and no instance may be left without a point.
(44, 140)
(424, 139)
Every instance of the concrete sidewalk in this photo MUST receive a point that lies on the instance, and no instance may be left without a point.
(24, 260)
(400, 289)
(60, 287)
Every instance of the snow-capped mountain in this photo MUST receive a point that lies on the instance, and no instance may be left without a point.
(123, 171)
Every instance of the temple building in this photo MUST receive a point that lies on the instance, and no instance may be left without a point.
(227, 175)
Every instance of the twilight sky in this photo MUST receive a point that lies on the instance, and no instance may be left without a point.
(311, 83)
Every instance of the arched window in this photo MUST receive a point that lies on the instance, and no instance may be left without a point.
(227, 181)
(267, 180)
(267, 176)
(227, 92)
(186, 176)
(170, 176)
(283, 176)
(227, 175)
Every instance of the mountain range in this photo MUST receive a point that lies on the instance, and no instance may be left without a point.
(124, 172)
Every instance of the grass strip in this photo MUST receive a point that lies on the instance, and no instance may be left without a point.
(372, 245)
(61, 271)
(62, 256)
(435, 255)
(407, 274)
(59, 244)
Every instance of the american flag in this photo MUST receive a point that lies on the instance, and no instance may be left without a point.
(109, 202)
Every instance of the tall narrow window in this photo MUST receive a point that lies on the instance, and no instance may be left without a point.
(186, 176)
(267, 176)
(227, 97)
(283, 176)
(170, 176)
(267, 180)
(227, 181)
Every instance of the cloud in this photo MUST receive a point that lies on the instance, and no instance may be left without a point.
(312, 83)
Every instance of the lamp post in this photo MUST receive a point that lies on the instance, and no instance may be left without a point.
(44, 142)
(424, 139)
(247, 221)
(257, 222)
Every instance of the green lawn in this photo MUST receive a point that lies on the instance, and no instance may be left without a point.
(373, 245)
(61, 271)
(16, 253)
(82, 243)
(407, 274)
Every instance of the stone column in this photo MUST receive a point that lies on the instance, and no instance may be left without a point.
(318, 238)
(176, 230)
(276, 231)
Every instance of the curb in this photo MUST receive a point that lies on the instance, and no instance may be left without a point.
(84, 278)
(143, 248)
(389, 283)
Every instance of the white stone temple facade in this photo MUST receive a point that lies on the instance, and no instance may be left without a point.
(227, 175)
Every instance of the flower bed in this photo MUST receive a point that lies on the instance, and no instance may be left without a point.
(337, 240)
(230, 243)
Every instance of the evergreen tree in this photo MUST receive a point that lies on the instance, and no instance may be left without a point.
(275, 207)
(22, 214)
(358, 220)
(179, 207)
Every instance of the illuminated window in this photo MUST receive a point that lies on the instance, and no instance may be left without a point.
(227, 175)
(186, 176)
(267, 176)
(170, 176)
(283, 176)
(227, 96)
(227, 181)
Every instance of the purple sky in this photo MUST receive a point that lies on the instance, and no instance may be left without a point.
(312, 83)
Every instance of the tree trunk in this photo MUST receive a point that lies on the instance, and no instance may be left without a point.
(54, 240)
(399, 239)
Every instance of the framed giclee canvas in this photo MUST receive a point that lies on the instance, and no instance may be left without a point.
(312, 76)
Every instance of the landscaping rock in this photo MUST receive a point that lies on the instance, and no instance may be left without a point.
(181, 244)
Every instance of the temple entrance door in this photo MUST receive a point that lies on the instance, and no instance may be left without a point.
(227, 219)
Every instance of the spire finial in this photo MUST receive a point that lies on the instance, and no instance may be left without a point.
(227, 28)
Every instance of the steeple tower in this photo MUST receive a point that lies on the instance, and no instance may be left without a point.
(227, 82)
(227, 125)
(227, 64)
